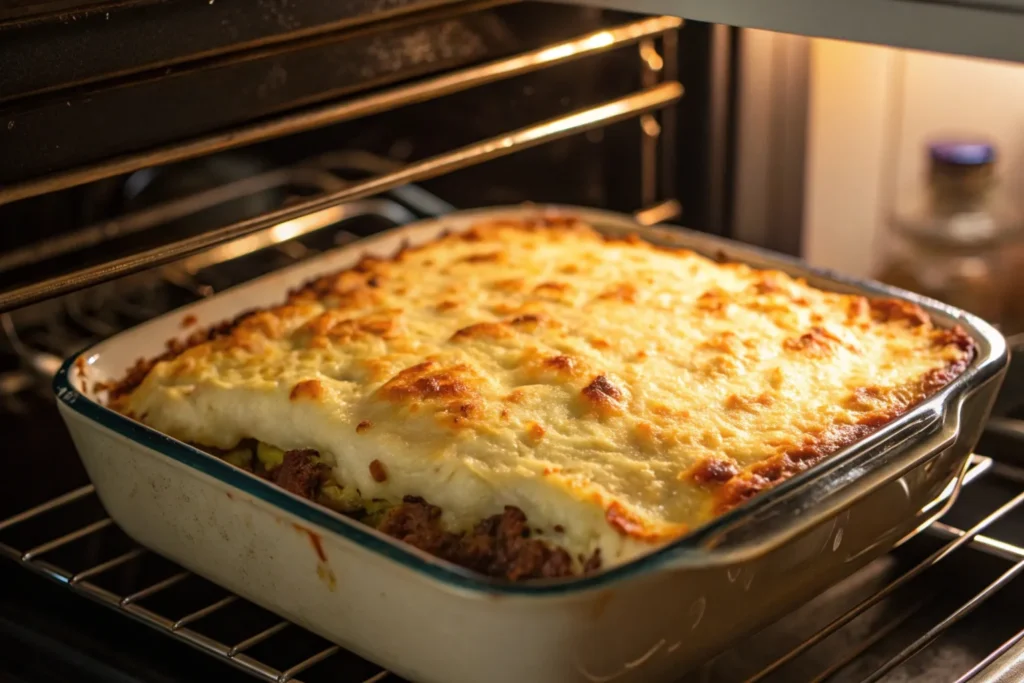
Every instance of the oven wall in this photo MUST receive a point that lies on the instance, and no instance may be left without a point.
(772, 99)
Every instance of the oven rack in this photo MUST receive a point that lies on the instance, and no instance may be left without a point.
(44, 334)
(656, 40)
(189, 627)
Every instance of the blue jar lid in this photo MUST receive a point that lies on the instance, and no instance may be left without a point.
(962, 153)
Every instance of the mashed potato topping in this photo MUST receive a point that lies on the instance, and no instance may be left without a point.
(618, 393)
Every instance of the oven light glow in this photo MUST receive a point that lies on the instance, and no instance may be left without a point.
(557, 52)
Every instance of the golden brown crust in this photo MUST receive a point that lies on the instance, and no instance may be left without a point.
(310, 389)
(455, 391)
(483, 331)
(603, 395)
(622, 519)
(763, 475)
(175, 347)
(713, 470)
(427, 381)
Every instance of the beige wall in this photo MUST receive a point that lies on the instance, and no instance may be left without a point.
(871, 111)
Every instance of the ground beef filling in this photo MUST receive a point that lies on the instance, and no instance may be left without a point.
(300, 473)
(499, 546)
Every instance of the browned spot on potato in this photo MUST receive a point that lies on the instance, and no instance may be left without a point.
(817, 342)
(516, 396)
(603, 395)
(385, 324)
(569, 365)
(429, 381)
(488, 257)
(529, 322)
(338, 326)
(863, 399)
(488, 330)
(535, 431)
(887, 310)
(623, 291)
(713, 470)
(474, 234)
(539, 367)
(857, 309)
(265, 323)
(646, 434)
(626, 522)
(769, 282)
(505, 308)
(377, 471)
(307, 389)
(749, 403)
(363, 426)
(713, 301)
(552, 290)
(516, 284)
(319, 342)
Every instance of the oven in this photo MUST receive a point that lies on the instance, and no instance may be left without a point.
(154, 153)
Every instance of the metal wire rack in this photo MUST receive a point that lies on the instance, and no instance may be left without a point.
(661, 90)
(93, 558)
(166, 586)
(44, 334)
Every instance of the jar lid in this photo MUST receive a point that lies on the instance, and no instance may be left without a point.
(962, 154)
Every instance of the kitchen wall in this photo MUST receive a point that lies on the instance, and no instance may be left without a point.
(871, 111)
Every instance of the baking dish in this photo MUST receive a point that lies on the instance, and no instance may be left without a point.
(647, 620)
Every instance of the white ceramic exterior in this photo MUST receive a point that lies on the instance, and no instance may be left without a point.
(646, 621)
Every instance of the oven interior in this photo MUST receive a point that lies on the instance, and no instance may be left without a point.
(160, 161)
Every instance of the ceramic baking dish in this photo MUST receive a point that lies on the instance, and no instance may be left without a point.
(648, 620)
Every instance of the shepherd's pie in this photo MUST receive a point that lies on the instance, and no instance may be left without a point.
(530, 398)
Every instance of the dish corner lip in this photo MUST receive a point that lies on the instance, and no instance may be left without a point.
(61, 383)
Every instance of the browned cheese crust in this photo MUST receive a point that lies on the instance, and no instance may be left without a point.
(591, 409)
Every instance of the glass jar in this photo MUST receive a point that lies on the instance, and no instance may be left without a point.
(951, 242)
